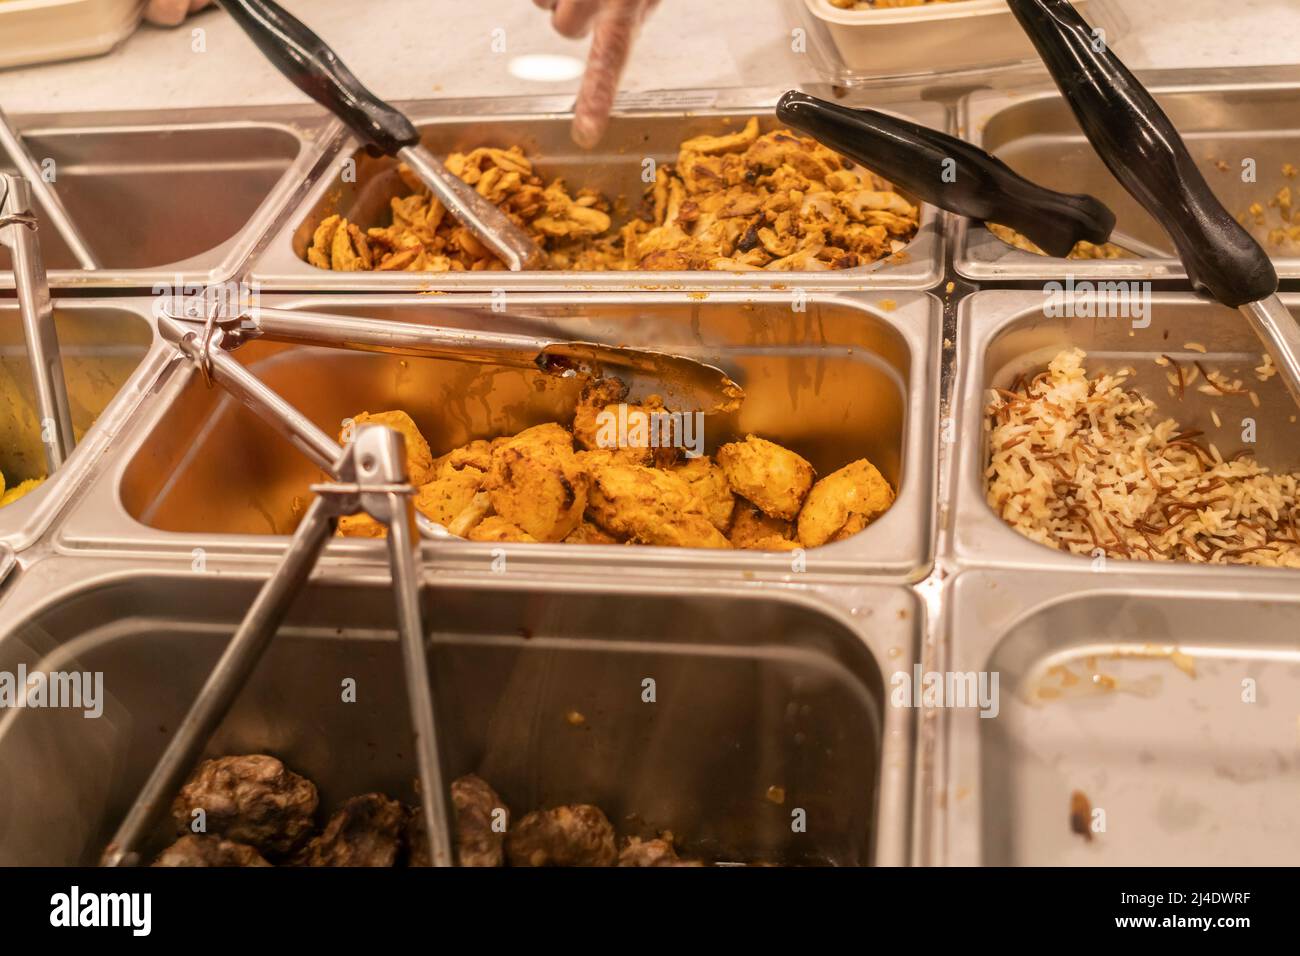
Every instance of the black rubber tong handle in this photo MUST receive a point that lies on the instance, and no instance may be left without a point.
(315, 69)
(1145, 153)
(950, 173)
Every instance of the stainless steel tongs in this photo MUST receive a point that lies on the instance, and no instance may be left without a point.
(308, 62)
(18, 226)
(369, 476)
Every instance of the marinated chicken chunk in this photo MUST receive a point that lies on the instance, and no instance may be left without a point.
(361, 525)
(652, 853)
(449, 493)
(578, 835)
(589, 533)
(843, 503)
(755, 531)
(650, 506)
(709, 482)
(366, 831)
(536, 483)
(419, 460)
(533, 486)
(735, 200)
(198, 850)
(251, 799)
(497, 528)
(772, 477)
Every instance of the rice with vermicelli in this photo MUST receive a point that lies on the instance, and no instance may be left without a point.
(1086, 465)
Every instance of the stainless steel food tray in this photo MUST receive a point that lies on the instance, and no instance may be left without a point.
(1226, 117)
(110, 363)
(1005, 333)
(764, 704)
(543, 132)
(169, 198)
(1167, 702)
(848, 376)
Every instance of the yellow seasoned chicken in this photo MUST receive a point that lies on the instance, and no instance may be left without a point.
(536, 483)
(709, 482)
(497, 528)
(843, 503)
(755, 531)
(736, 201)
(447, 496)
(419, 460)
(533, 486)
(651, 506)
(772, 477)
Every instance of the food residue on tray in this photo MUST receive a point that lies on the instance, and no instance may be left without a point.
(1082, 249)
(589, 483)
(1084, 464)
(1081, 815)
(1277, 215)
(258, 813)
(738, 201)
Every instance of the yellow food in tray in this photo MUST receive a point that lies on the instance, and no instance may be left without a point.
(1082, 249)
(588, 483)
(739, 201)
(9, 495)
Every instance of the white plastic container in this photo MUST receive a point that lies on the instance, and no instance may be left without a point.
(41, 31)
(931, 38)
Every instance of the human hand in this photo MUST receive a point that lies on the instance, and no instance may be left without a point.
(168, 13)
(615, 24)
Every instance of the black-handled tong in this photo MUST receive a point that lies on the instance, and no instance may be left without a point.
(1143, 150)
(954, 175)
(315, 69)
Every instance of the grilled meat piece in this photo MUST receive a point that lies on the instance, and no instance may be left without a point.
(475, 806)
(365, 831)
(195, 850)
(251, 799)
(577, 835)
(647, 853)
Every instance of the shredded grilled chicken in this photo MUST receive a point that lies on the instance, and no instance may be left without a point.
(737, 201)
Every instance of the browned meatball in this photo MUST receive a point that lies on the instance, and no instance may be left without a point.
(195, 850)
(474, 805)
(252, 799)
(578, 835)
(646, 853)
(365, 831)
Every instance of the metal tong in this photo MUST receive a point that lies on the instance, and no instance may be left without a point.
(369, 475)
(207, 340)
(1143, 150)
(18, 226)
(314, 68)
(957, 176)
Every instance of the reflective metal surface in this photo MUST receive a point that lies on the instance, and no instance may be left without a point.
(1163, 701)
(1240, 127)
(765, 704)
(360, 187)
(1006, 334)
(847, 377)
(108, 365)
(168, 197)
